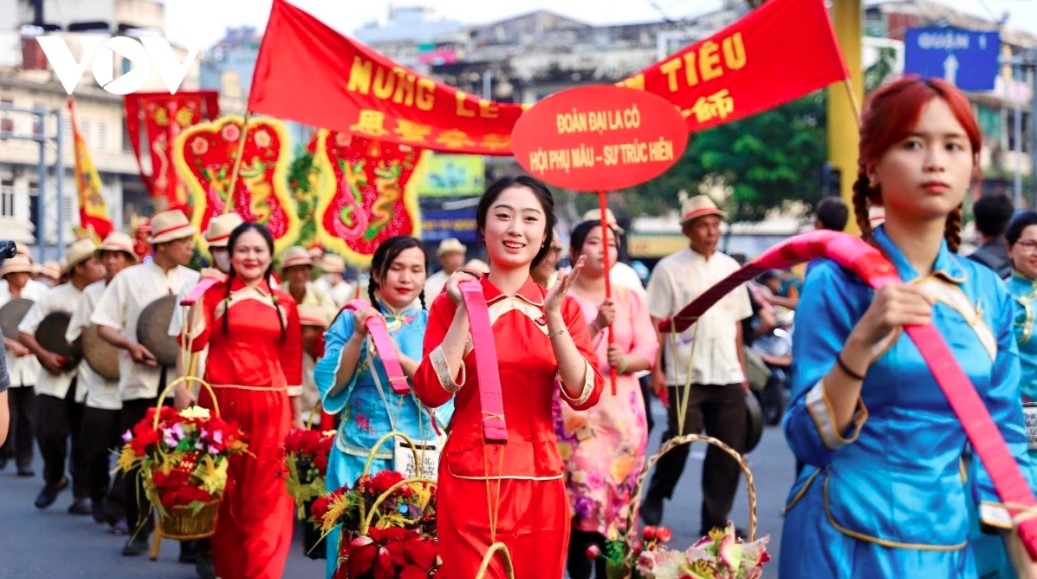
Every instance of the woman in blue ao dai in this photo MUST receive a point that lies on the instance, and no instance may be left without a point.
(353, 382)
(884, 493)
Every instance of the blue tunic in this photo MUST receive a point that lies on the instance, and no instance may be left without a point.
(889, 497)
(366, 416)
(991, 557)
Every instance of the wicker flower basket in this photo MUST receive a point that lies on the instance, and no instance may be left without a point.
(184, 524)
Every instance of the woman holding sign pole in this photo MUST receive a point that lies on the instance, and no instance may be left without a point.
(509, 488)
(354, 382)
(885, 491)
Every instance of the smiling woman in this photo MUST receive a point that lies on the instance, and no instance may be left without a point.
(542, 344)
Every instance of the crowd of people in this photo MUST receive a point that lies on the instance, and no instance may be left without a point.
(882, 488)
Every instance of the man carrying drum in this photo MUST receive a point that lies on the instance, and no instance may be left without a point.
(101, 418)
(59, 398)
(22, 366)
(141, 377)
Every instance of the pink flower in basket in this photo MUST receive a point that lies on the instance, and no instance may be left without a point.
(720, 555)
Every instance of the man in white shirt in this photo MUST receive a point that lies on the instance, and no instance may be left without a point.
(59, 398)
(450, 254)
(339, 290)
(718, 385)
(141, 379)
(296, 271)
(101, 434)
(22, 367)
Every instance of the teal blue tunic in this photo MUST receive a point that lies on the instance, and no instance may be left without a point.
(889, 497)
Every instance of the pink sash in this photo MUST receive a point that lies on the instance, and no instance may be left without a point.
(196, 292)
(384, 347)
(871, 266)
(490, 397)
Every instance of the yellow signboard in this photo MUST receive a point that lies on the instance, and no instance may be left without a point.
(451, 175)
(648, 246)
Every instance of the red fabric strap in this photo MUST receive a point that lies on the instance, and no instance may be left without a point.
(491, 399)
(874, 268)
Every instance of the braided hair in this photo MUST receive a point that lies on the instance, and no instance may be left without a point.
(268, 275)
(383, 259)
(890, 114)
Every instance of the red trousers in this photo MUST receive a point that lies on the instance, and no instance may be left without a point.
(533, 521)
(254, 529)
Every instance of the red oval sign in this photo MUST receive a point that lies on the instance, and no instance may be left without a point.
(599, 138)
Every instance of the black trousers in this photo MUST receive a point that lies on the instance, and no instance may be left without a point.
(62, 419)
(577, 563)
(129, 486)
(22, 403)
(720, 410)
(100, 438)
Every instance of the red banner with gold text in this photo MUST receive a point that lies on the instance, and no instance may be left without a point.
(155, 120)
(753, 65)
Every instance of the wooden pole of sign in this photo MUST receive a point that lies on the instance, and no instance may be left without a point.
(603, 207)
(228, 205)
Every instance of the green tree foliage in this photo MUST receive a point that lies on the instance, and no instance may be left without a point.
(766, 161)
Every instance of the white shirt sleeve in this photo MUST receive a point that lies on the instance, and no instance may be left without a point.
(40, 308)
(110, 310)
(79, 319)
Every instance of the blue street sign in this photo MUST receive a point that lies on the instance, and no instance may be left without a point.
(966, 58)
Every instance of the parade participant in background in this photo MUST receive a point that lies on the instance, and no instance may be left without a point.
(297, 270)
(47, 273)
(255, 356)
(101, 434)
(450, 254)
(314, 323)
(141, 379)
(339, 290)
(621, 273)
(22, 367)
(1021, 242)
(546, 271)
(860, 431)
(604, 446)
(993, 213)
(515, 492)
(59, 398)
(711, 351)
(354, 386)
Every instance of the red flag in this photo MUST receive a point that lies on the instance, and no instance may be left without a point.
(94, 220)
(308, 72)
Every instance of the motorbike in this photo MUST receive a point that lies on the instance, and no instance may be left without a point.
(773, 387)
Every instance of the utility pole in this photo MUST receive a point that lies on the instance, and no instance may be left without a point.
(843, 134)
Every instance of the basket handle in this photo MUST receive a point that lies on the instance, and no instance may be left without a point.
(750, 485)
(365, 524)
(391, 434)
(174, 384)
(505, 556)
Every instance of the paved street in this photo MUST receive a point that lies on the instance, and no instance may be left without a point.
(55, 545)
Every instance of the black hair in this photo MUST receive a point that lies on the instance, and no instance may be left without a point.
(540, 191)
(578, 236)
(268, 276)
(833, 213)
(993, 212)
(1018, 225)
(382, 259)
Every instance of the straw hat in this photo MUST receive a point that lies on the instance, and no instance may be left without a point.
(78, 252)
(610, 218)
(22, 249)
(170, 226)
(294, 256)
(451, 245)
(316, 252)
(477, 265)
(51, 269)
(331, 263)
(217, 234)
(16, 264)
(118, 241)
(312, 315)
(699, 206)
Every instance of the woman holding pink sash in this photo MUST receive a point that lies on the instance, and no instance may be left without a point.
(354, 382)
(513, 491)
(885, 491)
